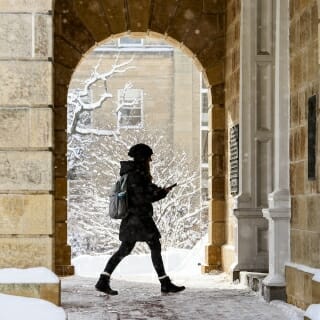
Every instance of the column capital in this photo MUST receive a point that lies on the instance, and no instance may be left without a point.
(248, 213)
(279, 198)
(277, 213)
(242, 200)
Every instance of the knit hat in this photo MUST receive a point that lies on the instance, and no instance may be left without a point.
(140, 152)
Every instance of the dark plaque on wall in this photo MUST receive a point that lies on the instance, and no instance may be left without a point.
(234, 159)
(312, 132)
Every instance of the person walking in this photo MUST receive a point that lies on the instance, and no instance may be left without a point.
(139, 225)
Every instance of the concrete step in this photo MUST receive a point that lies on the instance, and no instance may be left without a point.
(253, 280)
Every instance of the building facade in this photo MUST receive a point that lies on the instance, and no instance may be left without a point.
(165, 85)
(261, 61)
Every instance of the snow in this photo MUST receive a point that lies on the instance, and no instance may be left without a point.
(30, 275)
(313, 312)
(180, 263)
(29, 309)
(316, 277)
(292, 312)
(303, 268)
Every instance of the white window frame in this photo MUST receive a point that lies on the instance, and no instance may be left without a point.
(121, 44)
(141, 123)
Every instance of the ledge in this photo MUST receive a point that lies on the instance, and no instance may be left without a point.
(38, 283)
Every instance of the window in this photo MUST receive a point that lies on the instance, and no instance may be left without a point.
(130, 111)
(204, 146)
(130, 42)
(204, 102)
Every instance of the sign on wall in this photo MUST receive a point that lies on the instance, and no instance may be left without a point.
(312, 132)
(234, 159)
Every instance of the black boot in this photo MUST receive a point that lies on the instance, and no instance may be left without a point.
(167, 286)
(103, 285)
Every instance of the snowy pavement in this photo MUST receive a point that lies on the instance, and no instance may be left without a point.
(206, 297)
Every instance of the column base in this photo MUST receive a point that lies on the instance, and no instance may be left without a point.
(63, 271)
(212, 258)
(273, 293)
(205, 268)
(251, 240)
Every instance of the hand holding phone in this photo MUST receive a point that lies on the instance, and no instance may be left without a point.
(171, 187)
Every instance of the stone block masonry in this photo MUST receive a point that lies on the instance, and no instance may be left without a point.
(26, 142)
(44, 291)
(26, 252)
(25, 171)
(25, 83)
(25, 5)
(26, 128)
(26, 35)
(26, 214)
(305, 199)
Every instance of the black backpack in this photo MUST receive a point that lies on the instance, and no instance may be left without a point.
(118, 206)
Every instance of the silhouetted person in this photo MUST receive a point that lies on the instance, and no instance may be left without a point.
(139, 224)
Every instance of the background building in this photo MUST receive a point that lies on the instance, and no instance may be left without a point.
(167, 89)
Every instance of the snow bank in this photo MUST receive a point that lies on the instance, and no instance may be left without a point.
(313, 312)
(178, 262)
(31, 275)
(316, 277)
(17, 308)
(303, 268)
(292, 312)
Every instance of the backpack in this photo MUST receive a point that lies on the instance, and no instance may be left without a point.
(118, 205)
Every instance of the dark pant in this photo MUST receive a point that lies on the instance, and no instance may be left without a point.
(126, 248)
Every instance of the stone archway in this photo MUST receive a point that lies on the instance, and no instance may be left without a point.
(198, 28)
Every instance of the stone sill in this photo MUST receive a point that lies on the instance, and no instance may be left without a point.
(47, 291)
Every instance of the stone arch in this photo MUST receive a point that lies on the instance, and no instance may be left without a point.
(318, 6)
(196, 27)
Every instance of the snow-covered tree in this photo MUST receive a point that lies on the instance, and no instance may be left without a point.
(178, 216)
(93, 167)
(79, 108)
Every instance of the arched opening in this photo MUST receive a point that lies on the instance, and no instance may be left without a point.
(196, 28)
(129, 90)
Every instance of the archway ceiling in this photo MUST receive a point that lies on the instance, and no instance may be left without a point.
(199, 25)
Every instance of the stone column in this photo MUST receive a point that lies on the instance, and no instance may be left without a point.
(279, 252)
(278, 213)
(216, 150)
(255, 136)
(26, 140)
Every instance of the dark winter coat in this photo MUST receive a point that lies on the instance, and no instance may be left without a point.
(139, 224)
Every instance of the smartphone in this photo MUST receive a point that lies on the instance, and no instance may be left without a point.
(172, 186)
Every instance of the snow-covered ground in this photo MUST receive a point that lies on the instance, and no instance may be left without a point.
(179, 263)
(183, 266)
(313, 312)
(17, 308)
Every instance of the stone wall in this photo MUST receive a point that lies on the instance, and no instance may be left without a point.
(232, 117)
(305, 198)
(26, 139)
